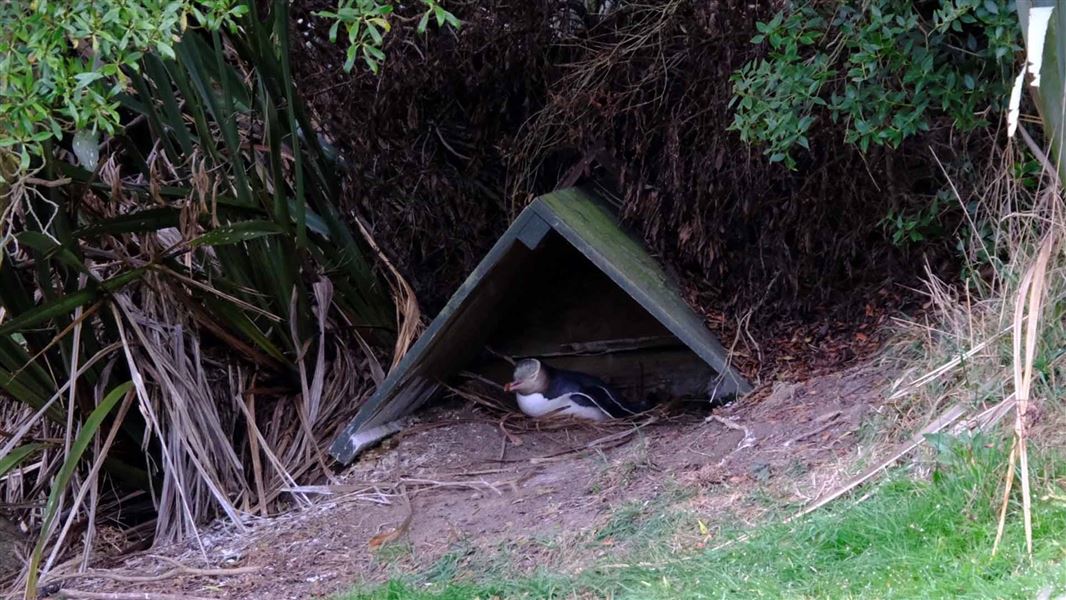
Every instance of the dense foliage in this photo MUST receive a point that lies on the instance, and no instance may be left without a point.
(636, 99)
(885, 70)
(367, 21)
(63, 63)
(197, 256)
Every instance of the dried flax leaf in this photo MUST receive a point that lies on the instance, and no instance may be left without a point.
(33, 419)
(409, 315)
(191, 412)
(945, 368)
(310, 405)
(152, 419)
(1008, 485)
(323, 292)
(1027, 311)
(269, 450)
(253, 447)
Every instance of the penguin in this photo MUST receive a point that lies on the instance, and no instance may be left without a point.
(542, 389)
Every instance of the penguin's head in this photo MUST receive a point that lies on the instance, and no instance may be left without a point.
(529, 378)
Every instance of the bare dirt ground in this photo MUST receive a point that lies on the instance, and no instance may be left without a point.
(462, 486)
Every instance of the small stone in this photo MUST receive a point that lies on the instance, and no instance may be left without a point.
(761, 471)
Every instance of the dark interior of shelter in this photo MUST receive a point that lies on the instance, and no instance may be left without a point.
(554, 304)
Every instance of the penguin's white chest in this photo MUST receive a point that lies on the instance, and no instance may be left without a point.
(536, 405)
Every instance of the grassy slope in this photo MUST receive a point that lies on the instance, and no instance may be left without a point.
(909, 539)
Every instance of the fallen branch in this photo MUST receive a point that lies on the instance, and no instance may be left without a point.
(67, 593)
(827, 420)
(420, 484)
(175, 572)
(394, 534)
(54, 183)
(432, 483)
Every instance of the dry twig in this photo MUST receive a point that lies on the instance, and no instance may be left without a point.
(84, 595)
(168, 574)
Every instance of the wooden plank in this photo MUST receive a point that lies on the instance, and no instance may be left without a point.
(532, 233)
(407, 386)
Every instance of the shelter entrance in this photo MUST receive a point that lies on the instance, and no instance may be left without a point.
(559, 307)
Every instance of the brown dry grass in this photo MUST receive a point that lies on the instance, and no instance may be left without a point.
(993, 344)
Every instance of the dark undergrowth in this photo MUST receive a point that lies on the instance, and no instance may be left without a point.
(462, 129)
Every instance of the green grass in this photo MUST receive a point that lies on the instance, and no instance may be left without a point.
(909, 539)
(641, 524)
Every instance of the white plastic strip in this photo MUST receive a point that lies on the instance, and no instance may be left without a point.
(1039, 18)
(1014, 108)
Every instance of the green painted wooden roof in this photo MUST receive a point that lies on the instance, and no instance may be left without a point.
(443, 348)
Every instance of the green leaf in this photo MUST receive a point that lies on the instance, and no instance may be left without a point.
(237, 233)
(375, 35)
(281, 8)
(49, 248)
(452, 20)
(165, 49)
(382, 23)
(64, 305)
(376, 53)
(147, 107)
(274, 134)
(174, 122)
(314, 222)
(235, 318)
(372, 64)
(16, 456)
(66, 472)
(152, 219)
(350, 57)
(86, 79)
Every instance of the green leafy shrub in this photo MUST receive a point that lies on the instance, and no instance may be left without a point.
(905, 229)
(366, 23)
(886, 69)
(216, 207)
(63, 62)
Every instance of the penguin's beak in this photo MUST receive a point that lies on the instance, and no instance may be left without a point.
(508, 387)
